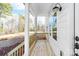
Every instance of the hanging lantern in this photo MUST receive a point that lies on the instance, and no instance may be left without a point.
(55, 9)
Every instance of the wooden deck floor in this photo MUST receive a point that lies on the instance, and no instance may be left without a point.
(42, 48)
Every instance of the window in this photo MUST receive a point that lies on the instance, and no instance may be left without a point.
(53, 26)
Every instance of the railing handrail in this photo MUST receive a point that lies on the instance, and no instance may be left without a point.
(5, 37)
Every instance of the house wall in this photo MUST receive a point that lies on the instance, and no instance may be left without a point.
(77, 19)
(76, 24)
(65, 30)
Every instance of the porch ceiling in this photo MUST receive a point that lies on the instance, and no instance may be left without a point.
(40, 9)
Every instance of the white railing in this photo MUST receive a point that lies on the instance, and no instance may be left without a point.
(11, 39)
(17, 51)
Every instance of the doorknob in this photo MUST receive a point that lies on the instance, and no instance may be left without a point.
(76, 54)
(76, 45)
(77, 38)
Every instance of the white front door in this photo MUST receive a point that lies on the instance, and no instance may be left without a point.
(76, 29)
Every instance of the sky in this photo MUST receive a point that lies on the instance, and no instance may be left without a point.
(18, 8)
(41, 20)
(52, 20)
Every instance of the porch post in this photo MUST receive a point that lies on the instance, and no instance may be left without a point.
(35, 24)
(46, 24)
(46, 27)
(51, 32)
(26, 41)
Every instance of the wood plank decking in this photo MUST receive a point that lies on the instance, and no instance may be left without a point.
(42, 48)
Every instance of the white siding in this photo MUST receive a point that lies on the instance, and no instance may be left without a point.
(65, 31)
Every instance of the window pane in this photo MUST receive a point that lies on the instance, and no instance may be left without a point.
(53, 26)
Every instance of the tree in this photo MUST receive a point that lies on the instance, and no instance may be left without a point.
(21, 23)
(5, 8)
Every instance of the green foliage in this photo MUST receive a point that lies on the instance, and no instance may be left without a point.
(55, 14)
(1, 29)
(6, 8)
(54, 29)
(21, 17)
(21, 23)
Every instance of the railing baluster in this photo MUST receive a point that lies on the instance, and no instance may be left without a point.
(22, 50)
(18, 51)
(14, 53)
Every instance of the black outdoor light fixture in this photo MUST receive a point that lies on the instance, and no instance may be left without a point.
(57, 7)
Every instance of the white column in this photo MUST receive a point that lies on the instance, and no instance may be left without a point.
(48, 30)
(51, 32)
(46, 24)
(46, 27)
(3, 27)
(35, 24)
(26, 41)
